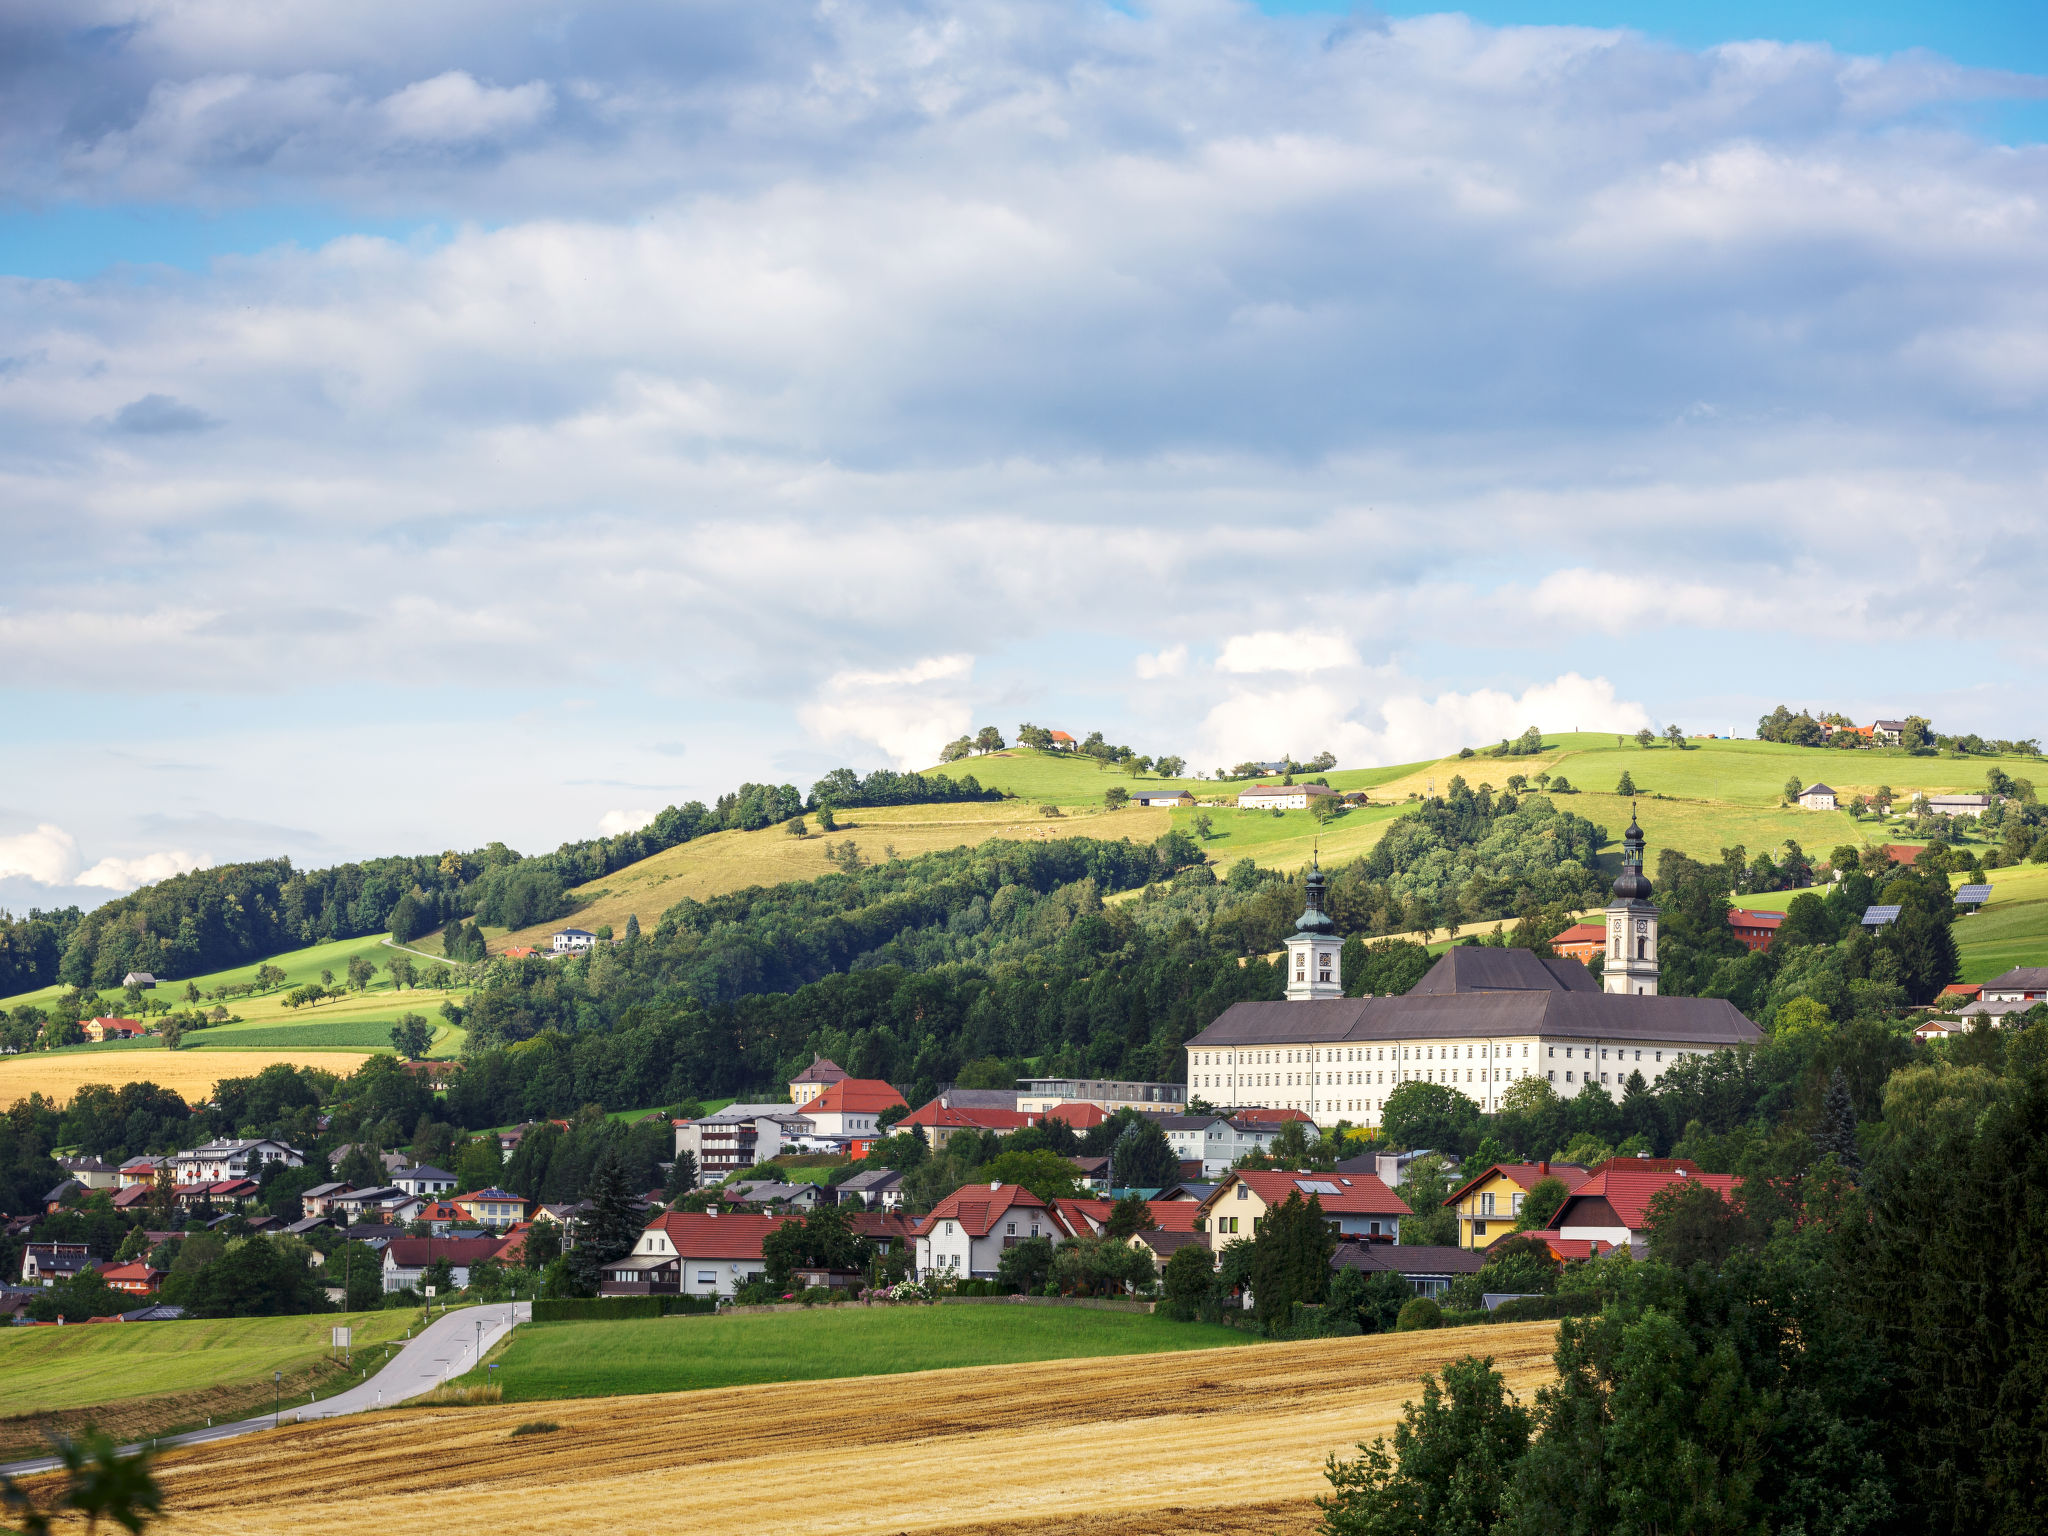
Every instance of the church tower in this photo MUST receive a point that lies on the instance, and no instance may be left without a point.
(1313, 951)
(1631, 963)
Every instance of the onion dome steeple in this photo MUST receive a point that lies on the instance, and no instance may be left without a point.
(1631, 884)
(1314, 919)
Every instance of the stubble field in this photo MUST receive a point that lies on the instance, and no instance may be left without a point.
(189, 1074)
(1222, 1441)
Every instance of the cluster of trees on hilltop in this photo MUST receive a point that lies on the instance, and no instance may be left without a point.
(989, 739)
(32, 947)
(1806, 729)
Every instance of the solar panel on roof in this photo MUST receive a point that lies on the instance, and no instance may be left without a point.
(1974, 893)
(1877, 917)
(1315, 1187)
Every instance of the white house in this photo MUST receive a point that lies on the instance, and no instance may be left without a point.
(1817, 797)
(713, 1255)
(424, 1180)
(739, 1136)
(572, 941)
(874, 1188)
(852, 1107)
(966, 1233)
(1958, 805)
(1218, 1141)
(1282, 797)
(407, 1259)
(220, 1160)
(2022, 984)
(1161, 797)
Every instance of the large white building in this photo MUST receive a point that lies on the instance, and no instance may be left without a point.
(1480, 1021)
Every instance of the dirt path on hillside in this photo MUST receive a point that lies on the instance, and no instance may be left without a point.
(1232, 1438)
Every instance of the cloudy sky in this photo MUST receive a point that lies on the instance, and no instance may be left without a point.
(425, 424)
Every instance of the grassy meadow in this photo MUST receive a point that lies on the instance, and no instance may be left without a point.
(677, 1354)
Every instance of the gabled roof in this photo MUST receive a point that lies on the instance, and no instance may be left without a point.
(871, 1179)
(954, 1117)
(1524, 1174)
(1570, 1249)
(855, 1095)
(700, 1235)
(420, 1252)
(1581, 933)
(1408, 1258)
(1263, 1117)
(1081, 1117)
(1467, 968)
(1816, 789)
(1628, 1190)
(1743, 917)
(2021, 978)
(821, 1070)
(1341, 1194)
(978, 1207)
(493, 1193)
(1165, 1244)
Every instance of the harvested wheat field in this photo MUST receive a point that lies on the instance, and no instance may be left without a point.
(189, 1074)
(1232, 1440)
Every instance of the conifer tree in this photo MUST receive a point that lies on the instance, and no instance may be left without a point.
(1836, 1133)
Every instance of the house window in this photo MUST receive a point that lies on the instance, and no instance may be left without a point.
(1010, 1230)
(1479, 1229)
(707, 1277)
(1486, 1205)
(1567, 1077)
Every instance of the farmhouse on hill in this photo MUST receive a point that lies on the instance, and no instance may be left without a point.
(1161, 797)
(1480, 1020)
(1817, 797)
(142, 981)
(1282, 797)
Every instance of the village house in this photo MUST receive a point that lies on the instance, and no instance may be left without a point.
(1216, 1141)
(1062, 742)
(739, 1136)
(1817, 797)
(966, 1233)
(1580, 942)
(1163, 798)
(1612, 1206)
(821, 1074)
(692, 1254)
(104, 1029)
(1957, 805)
(232, 1160)
(46, 1263)
(941, 1118)
(2021, 984)
(137, 1278)
(1755, 929)
(851, 1107)
(407, 1259)
(424, 1180)
(874, 1189)
(141, 981)
(1489, 1204)
(573, 941)
(494, 1208)
(1480, 1020)
(90, 1172)
(1282, 797)
(1356, 1204)
(1428, 1269)
(767, 1192)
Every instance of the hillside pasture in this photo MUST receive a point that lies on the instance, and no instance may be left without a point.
(1233, 1441)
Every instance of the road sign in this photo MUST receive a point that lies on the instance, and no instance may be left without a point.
(343, 1337)
(430, 1290)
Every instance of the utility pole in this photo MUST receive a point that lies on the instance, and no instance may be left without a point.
(276, 1386)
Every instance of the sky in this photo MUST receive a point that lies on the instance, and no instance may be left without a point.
(429, 425)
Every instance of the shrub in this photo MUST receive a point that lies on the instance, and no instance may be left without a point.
(535, 1427)
(461, 1397)
(1419, 1313)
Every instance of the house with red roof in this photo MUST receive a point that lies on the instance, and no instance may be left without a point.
(138, 1279)
(1580, 942)
(1062, 742)
(112, 1029)
(1755, 929)
(408, 1259)
(1612, 1207)
(852, 1106)
(940, 1120)
(692, 1253)
(495, 1208)
(1356, 1204)
(965, 1235)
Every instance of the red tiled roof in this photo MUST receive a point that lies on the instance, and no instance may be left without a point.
(1964, 989)
(940, 1116)
(1628, 1184)
(1061, 736)
(1581, 933)
(1526, 1175)
(1742, 917)
(1078, 1117)
(1175, 1215)
(419, 1252)
(1356, 1194)
(1272, 1114)
(700, 1235)
(1569, 1249)
(854, 1095)
(978, 1208)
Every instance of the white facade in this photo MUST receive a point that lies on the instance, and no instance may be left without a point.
(948, 1249)
(1817, 798)
(1958, 805)
(701, 1276)
(1288, 797)
(1219, 1143)
(1631, 964)
(219, 1160)
(1312, 966)
(573, 940)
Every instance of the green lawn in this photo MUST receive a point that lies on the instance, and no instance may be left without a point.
(47, 1369)
(1067, 778)
(677, 1354)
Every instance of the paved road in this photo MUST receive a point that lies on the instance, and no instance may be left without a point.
(446, 1347)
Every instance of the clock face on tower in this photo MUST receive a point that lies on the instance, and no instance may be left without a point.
(1642, 925)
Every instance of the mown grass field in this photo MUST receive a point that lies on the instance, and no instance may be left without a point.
(1227, 1442)
(190, 1074)
(682, 1354)
(146, 1378)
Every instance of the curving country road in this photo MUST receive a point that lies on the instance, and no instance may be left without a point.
(448, 1346)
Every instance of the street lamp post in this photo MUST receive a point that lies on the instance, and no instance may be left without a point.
(276, 1386)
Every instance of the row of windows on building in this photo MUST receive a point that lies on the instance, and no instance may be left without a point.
(1409, 1053)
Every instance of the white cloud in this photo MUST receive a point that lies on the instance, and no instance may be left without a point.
(1299, 650)
(48, 855)
(1171, 661)
(1306, 718)
(910, 712)
(453, 106)
(612, 823)
(127, 874)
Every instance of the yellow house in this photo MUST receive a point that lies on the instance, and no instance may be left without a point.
(1355, 1204)
(814, 1080)
(1489, 1205)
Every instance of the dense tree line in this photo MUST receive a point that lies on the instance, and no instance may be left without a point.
(32, 947)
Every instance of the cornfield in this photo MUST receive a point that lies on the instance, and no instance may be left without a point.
(1228, 1441)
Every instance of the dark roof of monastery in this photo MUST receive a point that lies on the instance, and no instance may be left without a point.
(1463, 1005)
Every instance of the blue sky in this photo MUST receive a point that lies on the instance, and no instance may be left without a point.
(420, 426)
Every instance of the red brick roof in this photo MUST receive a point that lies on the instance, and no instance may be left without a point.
(1078, 1116)
(699, 1235)
(1581, 933)
(940, 1116)
(854, 1095)
(1354, 1194)
(419, 1252)
(1524, 1174)
(978, 1207)
(1628, 1184)
(1061, 736)
(1742, 917)
(1569, 1249)
(1274, 1115)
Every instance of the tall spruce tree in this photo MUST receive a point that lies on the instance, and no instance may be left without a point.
(612, 1224)
(1835, 1135)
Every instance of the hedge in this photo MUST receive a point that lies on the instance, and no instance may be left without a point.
(606, 1309)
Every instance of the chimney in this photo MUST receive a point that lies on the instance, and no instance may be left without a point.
(995, 1183)
(1543, 1168)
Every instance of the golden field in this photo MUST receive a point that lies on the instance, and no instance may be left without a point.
(190, 1074)
(1223, 1440)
